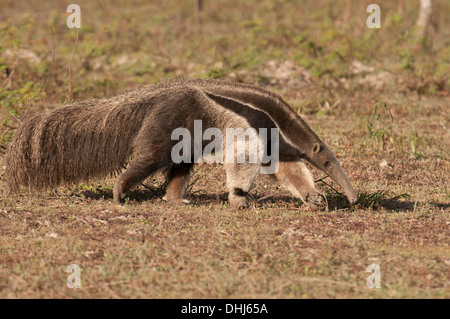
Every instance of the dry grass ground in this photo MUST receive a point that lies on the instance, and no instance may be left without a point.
(377, 98)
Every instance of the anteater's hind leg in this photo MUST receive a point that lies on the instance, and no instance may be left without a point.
(240, 179)
(139, 169)
(178, 178)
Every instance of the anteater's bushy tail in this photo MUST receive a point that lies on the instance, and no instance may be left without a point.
(78, 142)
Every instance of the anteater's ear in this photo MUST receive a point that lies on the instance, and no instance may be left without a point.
(316, 148)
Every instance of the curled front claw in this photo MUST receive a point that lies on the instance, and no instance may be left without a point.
(316, 201)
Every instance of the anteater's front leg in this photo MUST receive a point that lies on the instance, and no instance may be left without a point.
(240, 179)
(295, 176)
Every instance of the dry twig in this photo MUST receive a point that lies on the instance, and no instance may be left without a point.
(69, 94)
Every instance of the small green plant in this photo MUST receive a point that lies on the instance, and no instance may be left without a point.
(371, 200)
(414, 142)
(376, 126)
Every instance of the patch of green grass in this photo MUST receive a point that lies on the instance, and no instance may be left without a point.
(371, 200)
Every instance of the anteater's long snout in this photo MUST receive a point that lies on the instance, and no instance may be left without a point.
(336, 172)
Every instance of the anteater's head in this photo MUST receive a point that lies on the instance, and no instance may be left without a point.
(318, 154)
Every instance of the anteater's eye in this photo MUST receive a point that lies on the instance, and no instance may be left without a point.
(327, 163)
(316, 148)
